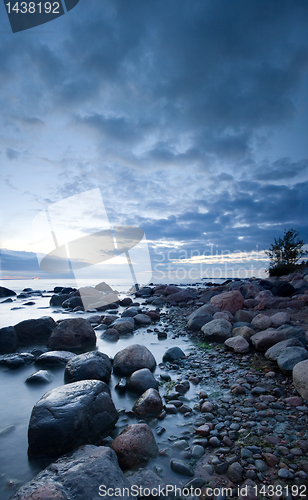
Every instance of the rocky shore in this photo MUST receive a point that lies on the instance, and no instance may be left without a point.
(227, 420)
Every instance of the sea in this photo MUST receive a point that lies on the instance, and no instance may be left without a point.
(17, 398)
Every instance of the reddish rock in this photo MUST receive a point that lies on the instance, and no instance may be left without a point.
(228, 301)
(50, 491)
(203, 430)
(135, 446)
(270, 459)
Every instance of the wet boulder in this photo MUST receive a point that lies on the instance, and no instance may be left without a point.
(261, 322)
(266, 339)
(87, 473)
(283, 289)
(54, 358)
(16, 360)
(73, 335)
(110, 334)
(93, 365)
(173, 354)
(130, 312)
(133, 358)
(70, 416)
(123, 325)
(142, 319)
(228, 301)
(58, 299)
(195, 324)
(141, 380)
(40, 377)
(8, 340)
(6, 292)
(35, 331)
(217, 330)
(182, 296)
(135, 446)
(149, 403)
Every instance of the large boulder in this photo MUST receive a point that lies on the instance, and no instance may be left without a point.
(243, 331)
(130, 312)
(8, 340)
(300, 378)
(70, 416)
(149, 403)
(93, 365)
(58, 299)
(266, 339)
(74, 334)
(280, 318)
(6, 292)
(91, 468)
(273, 352)
(228, 301)
(141, 380)
(135, 446)
(290, 357)
(283, 289)
(142, 319)
(35, 331)
(249, 290)
(217, 330)
(133, 358)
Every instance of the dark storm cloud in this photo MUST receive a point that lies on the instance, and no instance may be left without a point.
(284, 168)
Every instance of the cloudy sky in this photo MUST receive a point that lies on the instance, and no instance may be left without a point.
(191, 117)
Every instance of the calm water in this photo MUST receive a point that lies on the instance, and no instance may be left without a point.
(17, 398)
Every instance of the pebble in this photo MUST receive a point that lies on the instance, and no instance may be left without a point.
(181, 467)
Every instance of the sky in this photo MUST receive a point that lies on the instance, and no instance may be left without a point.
(189, 117)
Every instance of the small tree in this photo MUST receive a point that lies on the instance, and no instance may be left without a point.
(285, 253)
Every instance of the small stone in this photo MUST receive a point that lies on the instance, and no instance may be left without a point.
(271, 459)
(197, 451)
(181, 467)
(285, 474)
(235, 472)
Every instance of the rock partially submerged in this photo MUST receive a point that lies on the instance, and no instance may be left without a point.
(70, 416)
(133, 358)
(74, 334)
(35, 331)
(93, 365)
(135, 446)
(79, 476)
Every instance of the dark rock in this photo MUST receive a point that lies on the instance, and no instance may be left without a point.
(126, 302)
(290, 357)
(133, 358)
(182, 296)
(141, 380)
(235, 472)
(130, 312)
(181, 467)
(6, 292)
(273, 352)
(72, 302)
(111, 334)
(8, 340)
(72, 335)
(7, 301)
(54, 358)
(35, 331)
(16, 360)
(149, 403)
(154, 315)
(123, 325)
(283, 289)
(142, 319)
(121, 385)
(195, 324)
(85, 406)
(58, 299)
(89, 469)
(93, 365)
(146, 291)
(40, 377)
(266, 339)
(293, 332)
(173, 354)
(135, 446)
(146, 480)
